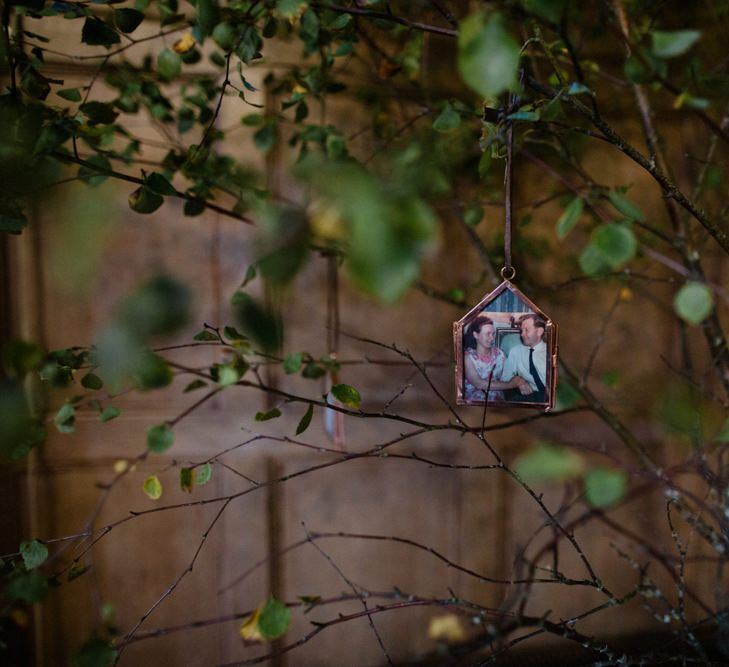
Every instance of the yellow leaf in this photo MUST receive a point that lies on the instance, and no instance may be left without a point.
(326, 221)
(185, 43)
(249, 630)
(153, 487)
(121, 466)
(626, 294)
(446, 628)
(298, 88)
(20, 617)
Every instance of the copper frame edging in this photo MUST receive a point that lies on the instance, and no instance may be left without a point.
(550, 338)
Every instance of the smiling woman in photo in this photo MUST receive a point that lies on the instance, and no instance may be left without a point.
(484, 363)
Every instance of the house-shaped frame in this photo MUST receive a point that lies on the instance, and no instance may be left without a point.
(509, 374)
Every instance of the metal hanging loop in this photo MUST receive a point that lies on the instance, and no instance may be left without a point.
(508, 273)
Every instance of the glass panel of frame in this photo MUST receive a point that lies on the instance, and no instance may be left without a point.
(506, 353)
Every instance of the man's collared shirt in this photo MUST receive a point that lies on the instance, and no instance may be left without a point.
(518, 364)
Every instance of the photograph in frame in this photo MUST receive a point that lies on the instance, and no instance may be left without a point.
(505, 353)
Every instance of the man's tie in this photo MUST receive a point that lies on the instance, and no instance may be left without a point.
(533, 371)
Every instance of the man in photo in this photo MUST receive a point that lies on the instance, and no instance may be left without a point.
(528, 361)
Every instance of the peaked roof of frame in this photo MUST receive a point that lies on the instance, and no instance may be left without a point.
(506, 285)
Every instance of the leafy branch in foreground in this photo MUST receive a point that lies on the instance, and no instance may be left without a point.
(394, 118)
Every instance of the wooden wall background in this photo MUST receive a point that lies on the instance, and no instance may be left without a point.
(65, 281)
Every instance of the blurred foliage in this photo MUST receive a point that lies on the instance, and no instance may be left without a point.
(549, 463)
(379, 199)
(121, 355)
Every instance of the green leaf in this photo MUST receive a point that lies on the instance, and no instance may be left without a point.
(224, 36)
(616, 242)
(456, 294)
(65, 419)
(77, 571)
(270, 414)
(98, 113)
(693, 302)
(206, 335)
(96, 652)
(346, 395)
(723, 435)
(313, 371)
(265, 138)
(569, 218)
(448, 120)
(283, 246)
(92, 381)
(151, 371)
(293, 363)
(143, 200)
(109, 413)
(207, 17)
(488, 57)
(389, 227)
(549, 463)
(592, 261)
(195, 384)
(625, 206)
(70, 94)
(107, 613)
(160, 438)
(20, 358)
(250, 275)
(566, 396)
(305, 420)
(169, 64)
(34, 554)
(673, 43)
(97, 33)
(473, 215)
(340, 22)
(258, 322)
(28, 587)
(638, 71)
(187, 478)
(152, 487)
(270, 28)
(217, 59)
(274, 619)
(291, 8)
(232, 334)
(12, 221)
(227, 375)
(159, 184)
(249, 45)
(204, 474)
(604, 487)
(95, 170)
(253, 120)
(128, 20)
(159, 307)
(682, 411)
(309, 30)
(193, 207)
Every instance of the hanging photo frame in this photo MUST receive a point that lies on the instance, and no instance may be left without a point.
(506, 352)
